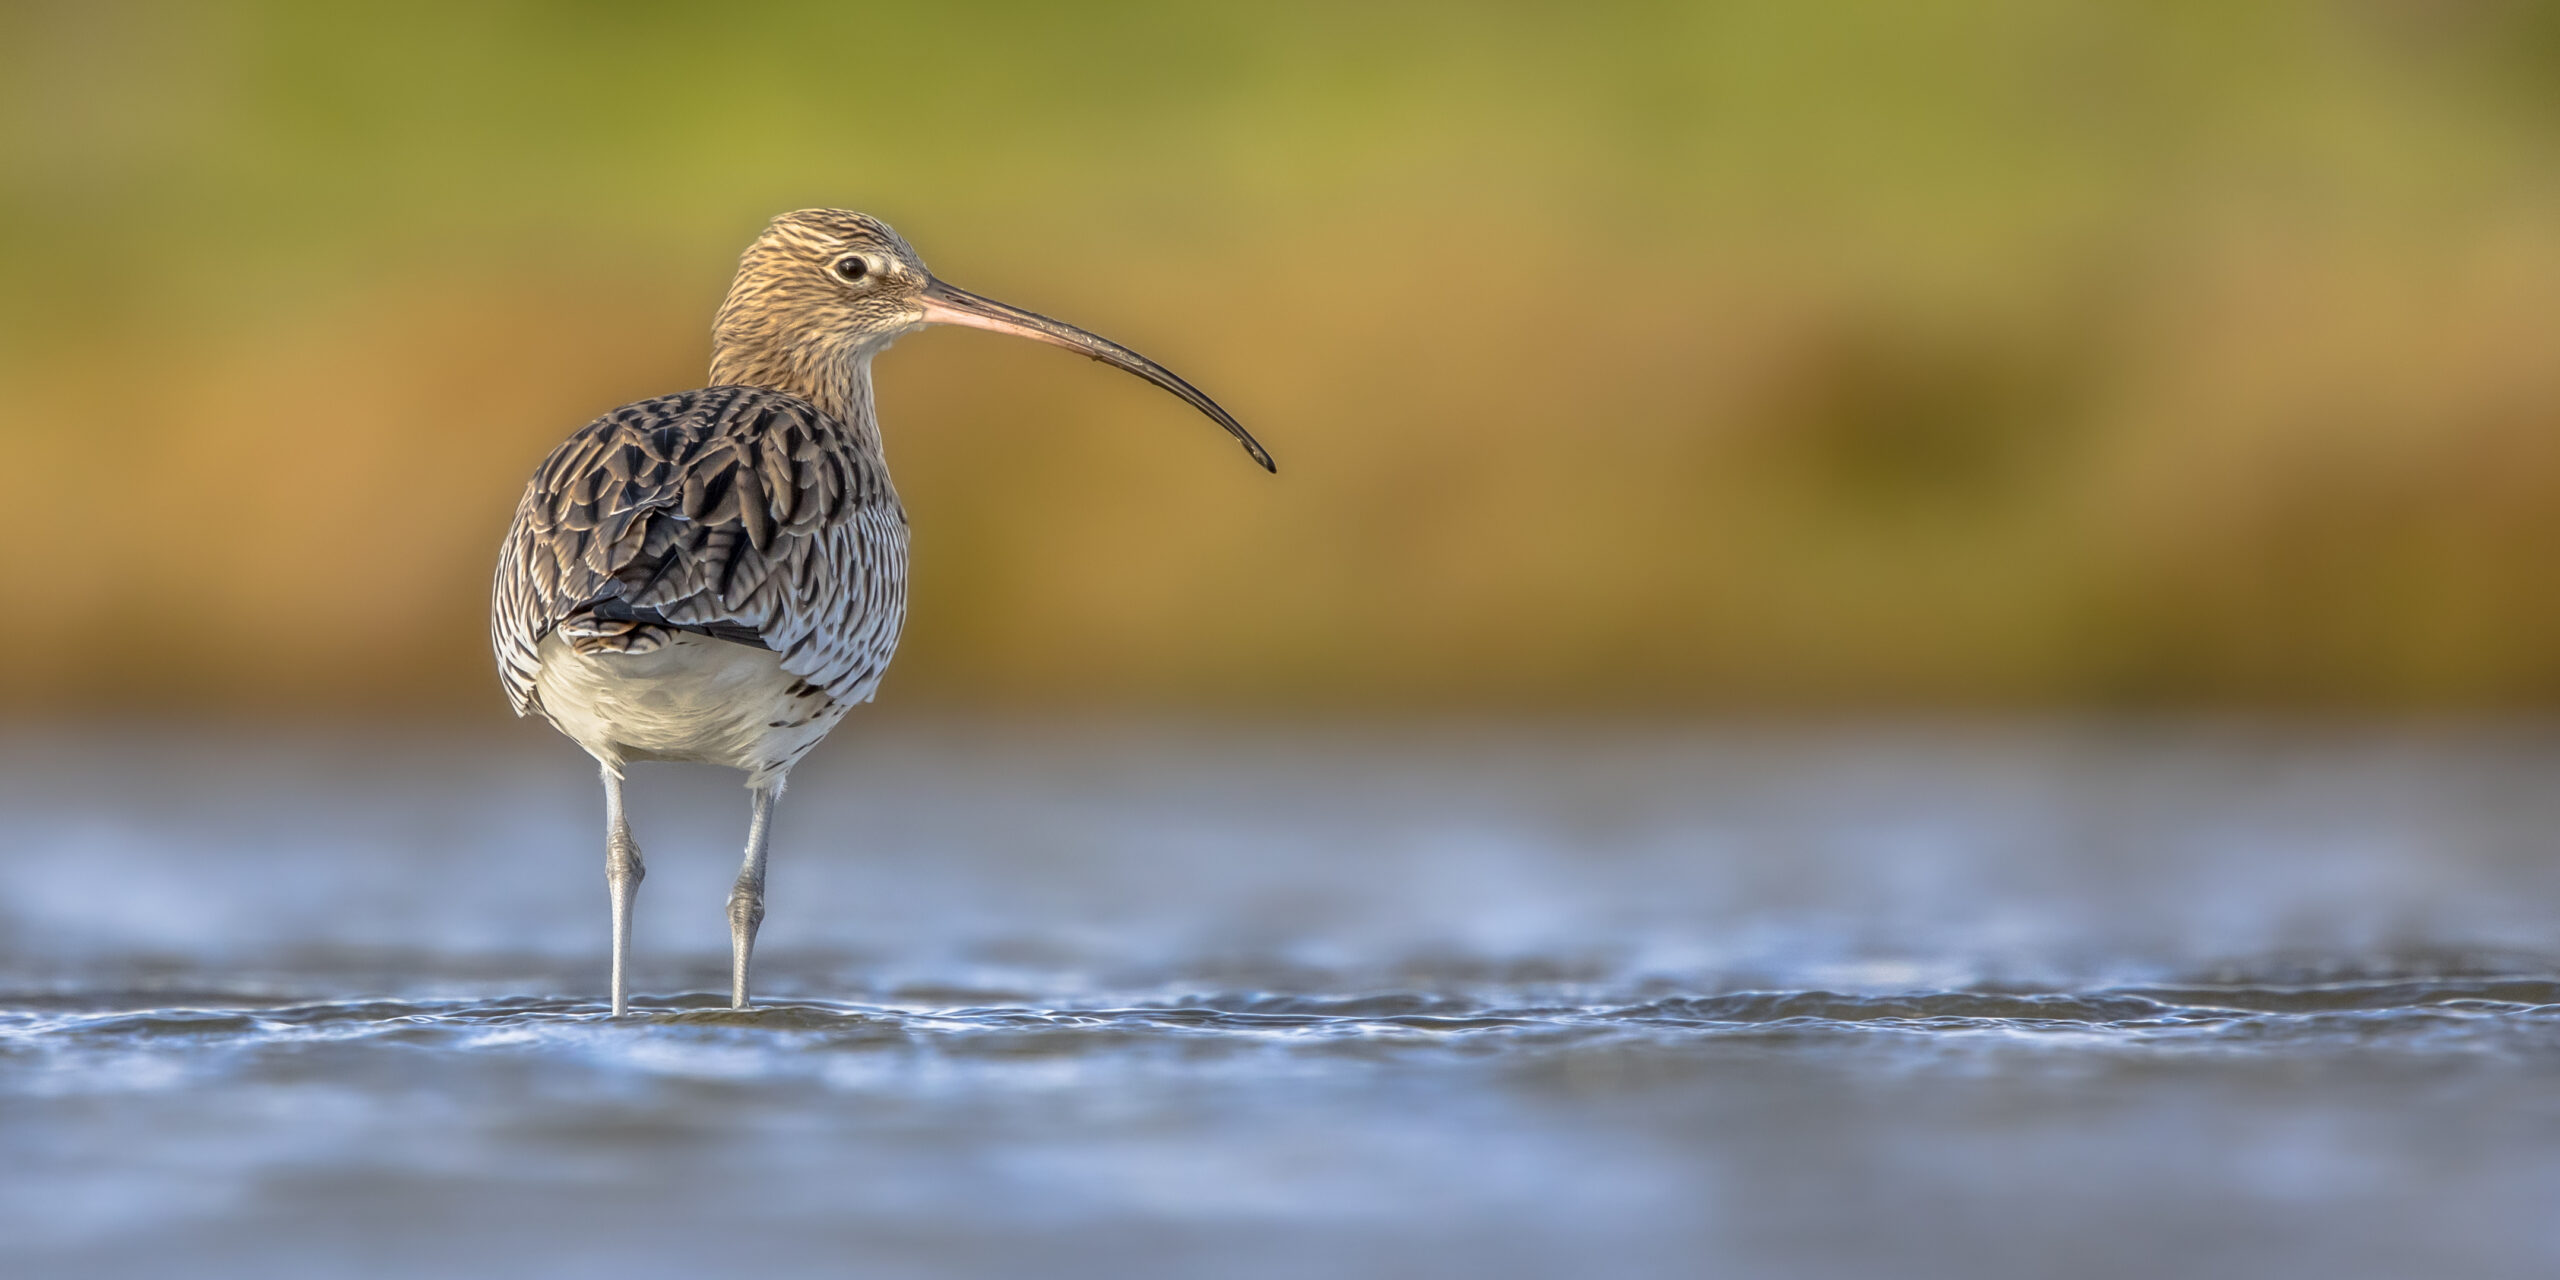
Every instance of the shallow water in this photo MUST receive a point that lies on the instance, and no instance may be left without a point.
(1135, 1001)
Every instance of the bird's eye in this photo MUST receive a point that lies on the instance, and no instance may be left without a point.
(851, 270)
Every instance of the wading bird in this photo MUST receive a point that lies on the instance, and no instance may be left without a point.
(719, 575)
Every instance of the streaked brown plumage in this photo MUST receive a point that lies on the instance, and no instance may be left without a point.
(718, 575)
(741, 513)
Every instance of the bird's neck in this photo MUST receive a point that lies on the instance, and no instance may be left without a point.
(836, 381)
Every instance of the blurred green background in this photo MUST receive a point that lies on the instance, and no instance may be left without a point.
(1618, 357)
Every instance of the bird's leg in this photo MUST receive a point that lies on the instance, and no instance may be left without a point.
(746, 900)
(622, 874)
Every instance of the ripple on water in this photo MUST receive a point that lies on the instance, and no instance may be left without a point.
(56, 1046)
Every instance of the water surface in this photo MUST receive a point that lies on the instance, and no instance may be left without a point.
(1075, 1000)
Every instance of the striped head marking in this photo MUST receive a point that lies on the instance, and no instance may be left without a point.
(823, 290)
(820, 286)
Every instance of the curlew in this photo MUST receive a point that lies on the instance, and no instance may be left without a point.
(719, 575)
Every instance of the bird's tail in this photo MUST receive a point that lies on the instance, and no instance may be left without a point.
(588, 633)
(611, 624)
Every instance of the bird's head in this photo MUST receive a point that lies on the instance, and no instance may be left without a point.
(822, 290)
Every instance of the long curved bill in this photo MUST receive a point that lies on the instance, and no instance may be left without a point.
(944, 304)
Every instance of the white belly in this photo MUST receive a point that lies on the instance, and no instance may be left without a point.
(698, 699)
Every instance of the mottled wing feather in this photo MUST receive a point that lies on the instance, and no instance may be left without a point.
(737, 511)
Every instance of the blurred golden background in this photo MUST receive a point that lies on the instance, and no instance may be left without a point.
(1621, 358)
